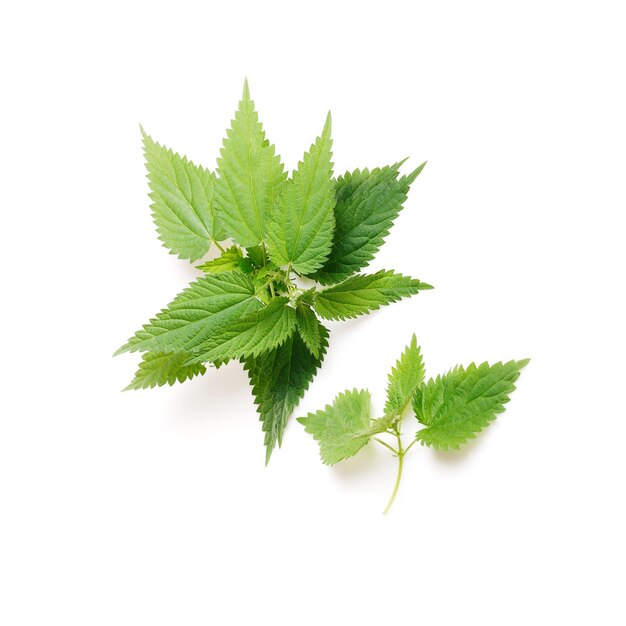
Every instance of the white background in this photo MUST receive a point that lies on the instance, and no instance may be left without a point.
(154, 507)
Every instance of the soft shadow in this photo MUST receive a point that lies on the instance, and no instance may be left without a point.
(454, 457)
(210, 394)
(364, 463)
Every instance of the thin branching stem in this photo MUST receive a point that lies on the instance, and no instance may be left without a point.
(384, 443)
(400, 454)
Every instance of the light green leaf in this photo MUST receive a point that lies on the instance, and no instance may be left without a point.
(367, 205)
(309, 328)
(251, 335)
(250, 175)
(300, 226)
(230, 259)
(364, 293)
(340, 427)
(160, 368)
(405, 378)
(279, 379)
(196, 314)
(455, 407)
(182, 201)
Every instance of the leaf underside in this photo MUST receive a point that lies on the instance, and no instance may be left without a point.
(455, 407)
(279, 379)
(339, 428)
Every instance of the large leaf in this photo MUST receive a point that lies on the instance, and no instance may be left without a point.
(367, 204)
(250, 175)
(300, 226)
(196, 314)
(365, 293)
(340, 427)
(161, 368)
(455, 407)
(255, 333)
(405, 378)
(279, 380)
(182, 201)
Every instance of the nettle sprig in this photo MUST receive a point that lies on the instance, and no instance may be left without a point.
(452, 408)
(249, 305)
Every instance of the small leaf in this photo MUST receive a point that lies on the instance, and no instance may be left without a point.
(340, 427)
(196, 314)
(251, 335)
(405, 378)
(300, 226)
(182, 201)
(455, 407)
(257, 256)
(250, 175)
(367, 205)
(364, 293)
(161, 368)
(230, 259)
(309, 328)
(279, 379)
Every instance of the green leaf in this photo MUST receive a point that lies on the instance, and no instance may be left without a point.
(257, 332)
(364, 293)
(279, 379)
(455, 407)
(405, 378)
(161, 368)
(182, 201)
(257, 256)
(367, 205)
(230, 259)
(339, 428)
(300, 226)
(196, 314)
(309, 328)
(250, 175)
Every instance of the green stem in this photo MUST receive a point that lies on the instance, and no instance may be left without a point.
(384, 443)
(400, 456)
(410, 446)
(395, 489)
(217, 243)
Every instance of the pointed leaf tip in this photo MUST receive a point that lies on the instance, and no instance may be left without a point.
(416, 172)
(246, 90)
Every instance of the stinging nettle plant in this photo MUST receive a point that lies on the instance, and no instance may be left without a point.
(453, 408)
(248, 305)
